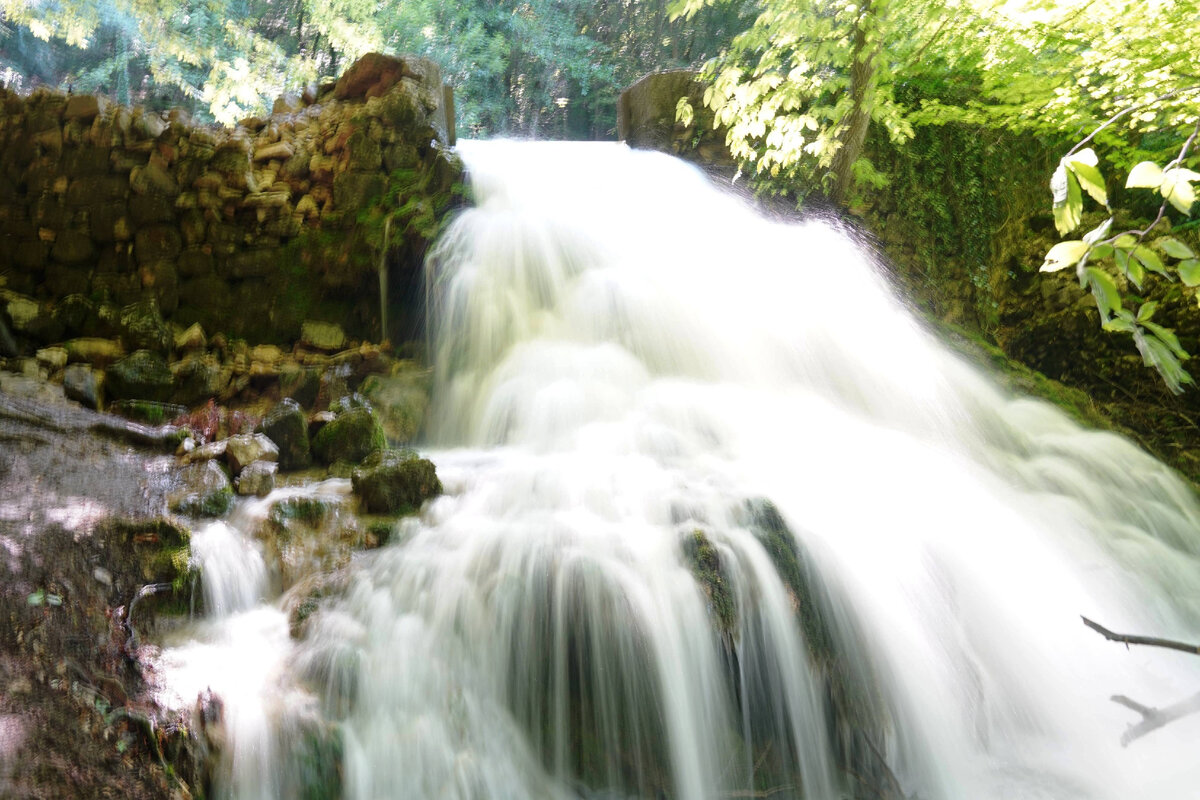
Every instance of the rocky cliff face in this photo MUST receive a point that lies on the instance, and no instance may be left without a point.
(249, 230)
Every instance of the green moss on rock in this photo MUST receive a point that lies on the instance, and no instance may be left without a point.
(352, 436)
(396, 482)
(704, 560)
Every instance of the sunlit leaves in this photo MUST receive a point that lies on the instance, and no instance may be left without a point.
(1063, 255)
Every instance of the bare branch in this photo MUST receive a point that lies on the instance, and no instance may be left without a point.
(1150, 641)
(1154, 718)
(1130, 110)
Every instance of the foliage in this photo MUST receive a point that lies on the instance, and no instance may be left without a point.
(1128, 253)
(527, 67)
(798, 85)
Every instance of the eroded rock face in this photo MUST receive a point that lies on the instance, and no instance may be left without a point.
(647, 118)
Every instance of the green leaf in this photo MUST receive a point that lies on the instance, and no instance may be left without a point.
(1189, 272)
(1146, 311)
(1179, 193)
(1168, 338)
(1130, 268)
(1104, 290)
(1125, 241)
(1099, 232)
(1063, 255)
(37, 598)
(1102, 251)
(1146, 175)
(1117, 325)
(1068, 201)
(1091, 180)
(1158, 354)
(1174, 248)
(1149, 259)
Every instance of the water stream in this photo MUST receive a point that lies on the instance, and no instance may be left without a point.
(721, 521)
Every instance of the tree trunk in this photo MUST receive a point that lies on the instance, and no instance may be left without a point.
(863, 80)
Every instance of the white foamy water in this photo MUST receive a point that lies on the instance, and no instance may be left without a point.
(639, 382)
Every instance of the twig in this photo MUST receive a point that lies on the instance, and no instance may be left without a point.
(1150, 641)
(1130, 110)
(1154, 718)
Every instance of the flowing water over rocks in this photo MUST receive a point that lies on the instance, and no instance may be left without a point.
(720, 520)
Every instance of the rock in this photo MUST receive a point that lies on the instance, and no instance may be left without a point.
(287, 103)
(82, 107)
(191, 339)
(157, 243)
(206, 452)
(142, 327)
(325, 336)
(81, 383)
(52, 358)
(72, 247)
(152, 179)
(355, 190)
(370, 76)
(258, 479)
(203, 490)
(279, 150)
(198, 377)
(395, 481)
(400, 401)
(140, 376)
(23, 312)
(149, 412)
(286, 425)
(100, 352)
(351, 436)
(246, 448)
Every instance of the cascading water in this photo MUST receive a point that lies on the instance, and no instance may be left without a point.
(722, 521)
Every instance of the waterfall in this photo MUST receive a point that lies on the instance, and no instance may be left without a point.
(722, 520)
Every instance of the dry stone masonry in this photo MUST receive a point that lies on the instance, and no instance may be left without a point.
(249, 231)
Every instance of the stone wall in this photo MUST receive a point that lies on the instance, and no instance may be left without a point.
(249, 231)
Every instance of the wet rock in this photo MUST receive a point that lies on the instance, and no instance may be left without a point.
(400, 401)
(206, 452)
(198, 377)
(257, 479)
(325, 336)
(395, 481)
(142, 327)
(90, 350)
(140, 376)
(203, 491)
(52, 358)
(287, 426)
(351, 436)
(191, 339)
(81, 383)
(72, 247)
(22, 312)
(246, 448)
(81, 107)
(150, 412)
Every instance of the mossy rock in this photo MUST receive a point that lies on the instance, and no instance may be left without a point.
(147, 411)
(352, 436)
(204, 490)
(704, 560)
(287, 426)
(395, 482)
(140, 376)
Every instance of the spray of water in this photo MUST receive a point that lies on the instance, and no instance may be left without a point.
(723, 521)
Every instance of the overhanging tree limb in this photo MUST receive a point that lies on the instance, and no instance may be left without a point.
(1149, 641)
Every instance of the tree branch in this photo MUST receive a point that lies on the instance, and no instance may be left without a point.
(1130, 110)
(1150, 641)
(1154, 718)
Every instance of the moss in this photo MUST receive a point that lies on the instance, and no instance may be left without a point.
(353, 436)
(147, 411)
(704, 560)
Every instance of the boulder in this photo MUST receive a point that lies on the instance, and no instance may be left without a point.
(246, 448)
(91, 350)
(395, 481)
(400, 401)
(81, 383)
(191, 339)
(370, 76)
(324, 336)
(198, 377)
(202, 490)
(142, 328)
(257, 479)
(287, 426)
(351, 436)
(140, 376)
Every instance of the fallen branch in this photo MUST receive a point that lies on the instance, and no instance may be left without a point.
(1154, 718)
(1150, 641)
